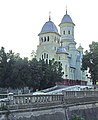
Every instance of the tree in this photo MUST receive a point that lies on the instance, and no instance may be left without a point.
(35, 70)
(90, 61)
(3, 67)
(44, 74)
(51, 73)
(17, 72)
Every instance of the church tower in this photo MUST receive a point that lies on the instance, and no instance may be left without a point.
(61, 47)
(67, 30)
(49, 41)
(67, 39)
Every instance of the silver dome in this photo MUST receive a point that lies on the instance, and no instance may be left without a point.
(49, 27)
(66, 19)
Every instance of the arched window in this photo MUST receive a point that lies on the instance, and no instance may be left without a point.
(47, 38)
(42, 57)
(41, 39)
(44, 39)
(45, 56)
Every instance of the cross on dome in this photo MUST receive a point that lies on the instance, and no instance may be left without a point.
(49, 16)
(66, 9)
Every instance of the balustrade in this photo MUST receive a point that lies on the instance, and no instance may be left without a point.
(67, 96)
(30, 99)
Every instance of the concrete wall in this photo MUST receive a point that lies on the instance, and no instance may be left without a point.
(51, 114)
(87, 111)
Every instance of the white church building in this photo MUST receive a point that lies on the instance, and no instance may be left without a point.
(62, 47)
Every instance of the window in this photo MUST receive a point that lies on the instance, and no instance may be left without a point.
(45, 56)
(44, 39)
(59, 57)
(42, 56)
(55, 39)
(64, 32)
(48, 38)
(41, 39)
(69, 32)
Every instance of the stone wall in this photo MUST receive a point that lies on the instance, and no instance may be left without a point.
(86, 111)
(51, 114)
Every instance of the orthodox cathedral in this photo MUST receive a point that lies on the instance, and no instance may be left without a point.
(62, 47)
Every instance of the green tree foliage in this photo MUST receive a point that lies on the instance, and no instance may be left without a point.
(17, 72)
(3, 67)
(90, 61)
(45, 73)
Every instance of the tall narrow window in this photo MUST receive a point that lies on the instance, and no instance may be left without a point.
(55, 39)
(44, 39)
(41, 39)
(47, 55)
(44, 55)
(48, 38)
(69, 32)
(64, 32)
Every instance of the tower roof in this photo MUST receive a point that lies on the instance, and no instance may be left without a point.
(66, 19)
(49, 26)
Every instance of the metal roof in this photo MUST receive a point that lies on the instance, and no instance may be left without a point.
(49, 27)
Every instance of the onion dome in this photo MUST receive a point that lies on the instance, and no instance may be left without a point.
(66, 19)
(49, 26)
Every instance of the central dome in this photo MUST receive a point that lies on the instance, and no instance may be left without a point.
(49, 27)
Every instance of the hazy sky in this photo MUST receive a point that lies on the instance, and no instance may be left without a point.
(22, 20)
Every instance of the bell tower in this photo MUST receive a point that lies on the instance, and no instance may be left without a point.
(67, 30)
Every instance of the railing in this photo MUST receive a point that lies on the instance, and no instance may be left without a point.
(80, 94)
(27, 99)
(68, 97)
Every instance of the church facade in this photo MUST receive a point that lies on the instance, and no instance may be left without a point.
(62, 47)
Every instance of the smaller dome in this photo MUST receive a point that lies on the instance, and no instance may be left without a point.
(61, 50)
(49, 27)
(66, 19)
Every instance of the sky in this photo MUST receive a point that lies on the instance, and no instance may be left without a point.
(21, 21)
